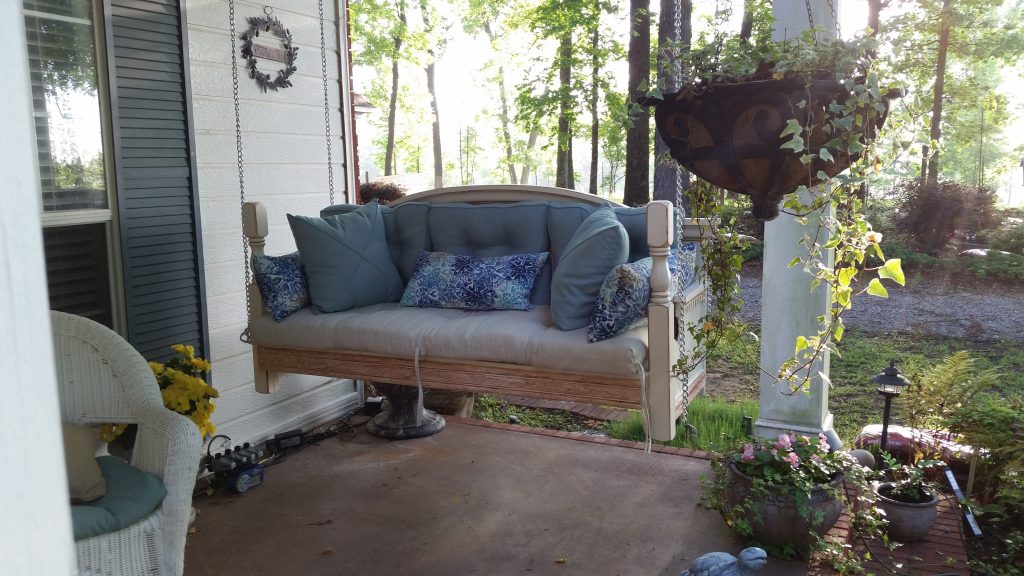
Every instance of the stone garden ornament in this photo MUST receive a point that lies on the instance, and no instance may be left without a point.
(724, 564)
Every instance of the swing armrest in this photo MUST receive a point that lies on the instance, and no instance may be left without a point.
(255, 227)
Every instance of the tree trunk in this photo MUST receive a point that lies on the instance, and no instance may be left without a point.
(747, 25)
(436, 125)
(563, 164)
(503, 97)
(666, 169)
(531, 141)
(428, 25)
(390, 165)
(638, 135)
(930, 165)
(594, 121)
(874, 21)
(874, 15)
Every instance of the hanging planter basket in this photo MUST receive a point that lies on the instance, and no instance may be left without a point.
(729, 134)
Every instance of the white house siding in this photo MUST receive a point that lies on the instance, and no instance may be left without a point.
(285, 168)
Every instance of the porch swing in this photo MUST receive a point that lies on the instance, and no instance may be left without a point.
(517, 352)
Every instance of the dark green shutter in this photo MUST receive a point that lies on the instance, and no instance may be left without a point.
(157, 198)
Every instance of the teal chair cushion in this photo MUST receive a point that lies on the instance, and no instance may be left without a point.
(595, 248)
(131, 496)
(347, 260)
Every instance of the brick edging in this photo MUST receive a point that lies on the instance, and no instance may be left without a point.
(580, 437)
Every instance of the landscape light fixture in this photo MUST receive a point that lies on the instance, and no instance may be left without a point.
(890, 383)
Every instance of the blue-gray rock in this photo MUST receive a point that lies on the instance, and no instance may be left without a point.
(724, 564)
(864, 458)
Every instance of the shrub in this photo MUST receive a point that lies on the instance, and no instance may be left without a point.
(882, 215)
(752, 251)
(382, 192)
(1009, 267)
(1008, 238)
(930, 214)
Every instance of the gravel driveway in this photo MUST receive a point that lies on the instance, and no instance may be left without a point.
(937, 307)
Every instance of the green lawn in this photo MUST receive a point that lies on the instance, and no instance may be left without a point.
(853, 399)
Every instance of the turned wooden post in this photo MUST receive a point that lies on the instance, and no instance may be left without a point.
(662, 351)
(255, 227)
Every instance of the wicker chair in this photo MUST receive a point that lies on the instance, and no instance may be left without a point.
(103, 379)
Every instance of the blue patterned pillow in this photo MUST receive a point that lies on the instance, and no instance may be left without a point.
(443, 280)
(282, 283)
(626, 292)
(682, 263)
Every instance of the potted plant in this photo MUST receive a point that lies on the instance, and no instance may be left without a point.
(908, 499)
(790, 123)
(767, 118)
(786, 494)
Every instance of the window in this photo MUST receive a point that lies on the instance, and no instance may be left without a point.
(72, 135)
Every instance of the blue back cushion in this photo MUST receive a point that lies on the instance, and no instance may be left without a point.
(494, 230)
(406, 229)
(483, 230)
(564, 219)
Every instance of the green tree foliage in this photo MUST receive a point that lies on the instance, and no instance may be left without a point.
(985, 38)
(554, 90)
(381, 28)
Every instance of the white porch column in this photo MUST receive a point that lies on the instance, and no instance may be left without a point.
(788, 306)
(35, 517)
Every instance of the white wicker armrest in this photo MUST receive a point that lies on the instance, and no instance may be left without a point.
(169, 446)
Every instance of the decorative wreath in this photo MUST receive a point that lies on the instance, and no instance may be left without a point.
(269, 24)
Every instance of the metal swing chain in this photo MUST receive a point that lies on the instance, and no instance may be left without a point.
(677, 32)
(835, 17)
(327, 104)
(244, 336)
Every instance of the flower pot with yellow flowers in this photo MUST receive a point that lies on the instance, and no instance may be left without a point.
(183, 389)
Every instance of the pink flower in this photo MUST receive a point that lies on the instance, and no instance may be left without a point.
(774, 452)
(823, 442)
(784, 443)
(793, 459)
(816, 458)
(748, 453)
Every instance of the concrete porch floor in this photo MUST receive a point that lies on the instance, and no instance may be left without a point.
(470, 500)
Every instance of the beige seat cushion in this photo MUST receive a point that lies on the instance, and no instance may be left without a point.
(510, 336)
(85, 480)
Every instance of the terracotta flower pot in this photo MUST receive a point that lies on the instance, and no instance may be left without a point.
(729, 135)
(775, 519)
(908, 521)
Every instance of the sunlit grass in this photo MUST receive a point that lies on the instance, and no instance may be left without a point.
(853, 400)
(718, 424)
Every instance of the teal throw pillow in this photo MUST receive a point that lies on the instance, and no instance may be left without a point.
(598, 245)
(347, 260)
(282, 283)
(443, 280)
(626, 292)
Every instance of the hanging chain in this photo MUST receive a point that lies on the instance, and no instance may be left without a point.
(675, 61)
(810, 18)
(327, 103)
(835, 18)
(244, 336)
